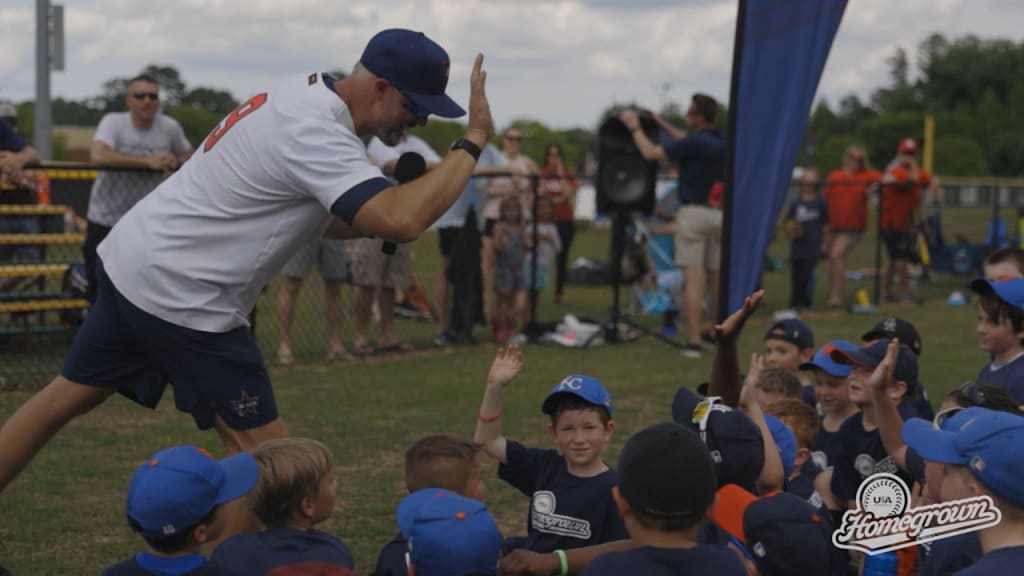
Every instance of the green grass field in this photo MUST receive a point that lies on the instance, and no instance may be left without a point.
(65, 513)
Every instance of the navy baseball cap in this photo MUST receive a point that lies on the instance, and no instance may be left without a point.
(785, 441)
(586, 387)
(871, 355)
(449, 534)
(986, 441)
(893, 327)
(793, 331)
(1009, 289)
(783, 533)
(732, 438)
(666, 471)
(414, 64)
(175, 488)
(823, 361)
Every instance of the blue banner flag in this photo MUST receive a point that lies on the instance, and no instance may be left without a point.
(780, 51)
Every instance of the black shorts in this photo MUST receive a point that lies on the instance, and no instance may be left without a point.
(446, 237)
(901, 245)
(489, 226)
(121, 346)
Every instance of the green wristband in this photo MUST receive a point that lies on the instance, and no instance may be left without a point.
(564, 561)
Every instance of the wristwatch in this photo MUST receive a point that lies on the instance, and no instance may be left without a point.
(468, 146)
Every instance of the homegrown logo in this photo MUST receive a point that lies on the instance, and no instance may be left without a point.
(883, 521)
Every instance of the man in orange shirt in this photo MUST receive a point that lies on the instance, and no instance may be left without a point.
(901, 198)
(846, 193)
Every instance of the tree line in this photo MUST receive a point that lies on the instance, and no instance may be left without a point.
(974, 88)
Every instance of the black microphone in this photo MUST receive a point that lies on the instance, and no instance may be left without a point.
(409, 167)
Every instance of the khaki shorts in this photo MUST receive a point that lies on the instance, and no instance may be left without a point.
(329, 255)
(698, 239)
(371, 267)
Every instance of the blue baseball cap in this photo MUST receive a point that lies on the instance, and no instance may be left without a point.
(416, 65)
(871, 355)
(1009, 289)
(793, 331)
(823, 359)
(448, 534)
(785, 441)
(986, 441)
(586, 387)
(783, 533)
(175, 488)
(732, 438)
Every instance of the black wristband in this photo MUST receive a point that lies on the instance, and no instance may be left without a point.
(468, 146)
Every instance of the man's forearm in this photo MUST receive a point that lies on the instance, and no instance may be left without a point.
(118, 160)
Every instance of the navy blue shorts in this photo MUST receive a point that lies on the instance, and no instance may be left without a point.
(120, 346)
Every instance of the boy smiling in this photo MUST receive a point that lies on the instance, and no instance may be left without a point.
(569, 486)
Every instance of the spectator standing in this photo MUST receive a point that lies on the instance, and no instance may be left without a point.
(142, 138)
(846, 193)
(559, 183)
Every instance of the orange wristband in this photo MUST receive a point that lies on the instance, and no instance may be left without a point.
(483, 418)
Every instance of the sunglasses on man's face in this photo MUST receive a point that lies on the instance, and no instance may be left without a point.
(146, 96)
(415, 109)
(514, 138)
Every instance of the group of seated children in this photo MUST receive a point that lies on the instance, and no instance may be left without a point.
(751, 479)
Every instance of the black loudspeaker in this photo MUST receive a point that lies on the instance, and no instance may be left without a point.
(625, 180)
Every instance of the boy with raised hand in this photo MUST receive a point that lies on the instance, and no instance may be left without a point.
(666, 491)
(787, 344)
(175, 502)
(296, 491)
(434, 461)
(905, 332)
(569, 486)
(448, 534)
(979, 450)
(1000, 331)
(861, 450)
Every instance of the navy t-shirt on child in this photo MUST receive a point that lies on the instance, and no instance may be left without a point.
(391, 561)
(861, 454)
(651, 561)
(146, 564)
(1009, 377)
(999, 561)
(566, 511)
(811, 215)
(258, 553)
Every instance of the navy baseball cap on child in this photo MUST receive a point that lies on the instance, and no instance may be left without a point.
(449, 534)
(177, 487)
(782, 532)
(666, 471)
(893, 327)
(1009, 289)
(586, 387)
(416, 65)
(793, 331)
(871, 355)
(732, 438)
(823, 361)
(985, 441)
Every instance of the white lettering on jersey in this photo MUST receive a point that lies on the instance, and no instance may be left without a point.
(544, 519)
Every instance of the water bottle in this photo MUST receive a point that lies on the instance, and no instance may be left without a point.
(884, 564)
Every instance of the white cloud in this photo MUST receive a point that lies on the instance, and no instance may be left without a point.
(562, 62)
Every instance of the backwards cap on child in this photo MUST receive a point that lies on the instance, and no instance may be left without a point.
(449, 534)
(985, 441)
(732, 438)
(177, 487)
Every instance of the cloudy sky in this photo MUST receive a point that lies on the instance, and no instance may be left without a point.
(559, 61)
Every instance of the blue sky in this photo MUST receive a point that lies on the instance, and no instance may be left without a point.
(561, 62)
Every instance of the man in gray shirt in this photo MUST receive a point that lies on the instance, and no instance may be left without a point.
(141, 138)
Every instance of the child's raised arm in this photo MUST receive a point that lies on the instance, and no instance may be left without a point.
(887, 414)
(773, 473)
(506, 366)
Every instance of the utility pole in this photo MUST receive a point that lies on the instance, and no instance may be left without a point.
(49, 56)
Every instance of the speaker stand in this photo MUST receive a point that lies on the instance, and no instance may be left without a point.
(612, 329)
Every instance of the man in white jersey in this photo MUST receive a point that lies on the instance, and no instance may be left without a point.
(180, 272)
(141, 138)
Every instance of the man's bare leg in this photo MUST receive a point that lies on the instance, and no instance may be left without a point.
(25, 433)
(694, 281)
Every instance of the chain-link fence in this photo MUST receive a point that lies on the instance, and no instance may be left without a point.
(41, 262)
